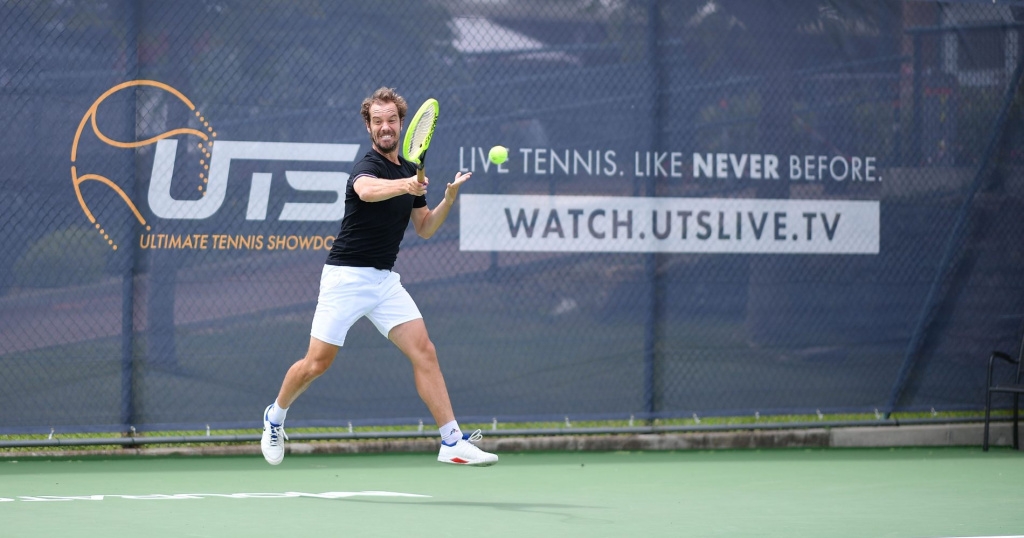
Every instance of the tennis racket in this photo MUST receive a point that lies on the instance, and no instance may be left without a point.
(418, 135)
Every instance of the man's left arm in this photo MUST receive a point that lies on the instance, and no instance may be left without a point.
(427, 221)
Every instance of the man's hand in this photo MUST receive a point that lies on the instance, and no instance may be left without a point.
(415, 188)
(452, 190)
(427, 221)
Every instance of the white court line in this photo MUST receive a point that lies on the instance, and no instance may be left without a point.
(182, 496)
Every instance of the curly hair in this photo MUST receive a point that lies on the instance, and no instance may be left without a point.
(384, 95)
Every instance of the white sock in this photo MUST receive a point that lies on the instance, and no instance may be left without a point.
(450, 433)
(276, 414)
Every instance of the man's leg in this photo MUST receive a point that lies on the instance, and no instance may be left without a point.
(318, 359)
(411, 337)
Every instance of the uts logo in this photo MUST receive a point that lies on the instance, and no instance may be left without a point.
(214, 166)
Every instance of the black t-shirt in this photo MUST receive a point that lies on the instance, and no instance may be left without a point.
(371, 232)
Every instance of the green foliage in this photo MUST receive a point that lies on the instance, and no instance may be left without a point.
(69, 256)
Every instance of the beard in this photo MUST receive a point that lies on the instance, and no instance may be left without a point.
(386, 147)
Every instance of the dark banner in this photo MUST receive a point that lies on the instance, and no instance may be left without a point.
(709, 207)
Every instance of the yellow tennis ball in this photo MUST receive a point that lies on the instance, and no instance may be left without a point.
(498, 154)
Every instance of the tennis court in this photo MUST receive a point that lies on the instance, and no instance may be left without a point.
(907, 492)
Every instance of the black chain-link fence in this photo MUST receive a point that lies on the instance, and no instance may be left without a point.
(710, 206)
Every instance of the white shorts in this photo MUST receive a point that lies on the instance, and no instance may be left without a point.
(349, 293)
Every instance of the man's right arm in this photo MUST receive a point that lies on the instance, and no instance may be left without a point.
(375, 189)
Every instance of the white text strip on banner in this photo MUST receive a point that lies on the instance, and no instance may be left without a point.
(635, 224)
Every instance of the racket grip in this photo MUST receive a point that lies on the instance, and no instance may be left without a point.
(420, 166)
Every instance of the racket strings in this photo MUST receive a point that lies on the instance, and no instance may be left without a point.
(421, 131)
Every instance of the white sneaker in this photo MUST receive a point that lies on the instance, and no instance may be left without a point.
(464, 452)
(273, 440)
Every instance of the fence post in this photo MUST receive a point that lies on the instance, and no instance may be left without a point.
(915, 122)
(651, 259)
(128, 273)
(127, 346)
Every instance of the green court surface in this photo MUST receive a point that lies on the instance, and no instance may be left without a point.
(792, 493)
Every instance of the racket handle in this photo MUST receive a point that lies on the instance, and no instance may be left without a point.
(419, 167)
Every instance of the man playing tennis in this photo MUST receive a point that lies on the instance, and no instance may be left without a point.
(382, 196)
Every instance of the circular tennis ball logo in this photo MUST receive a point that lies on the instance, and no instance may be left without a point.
(204, 133)
(498, 154)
